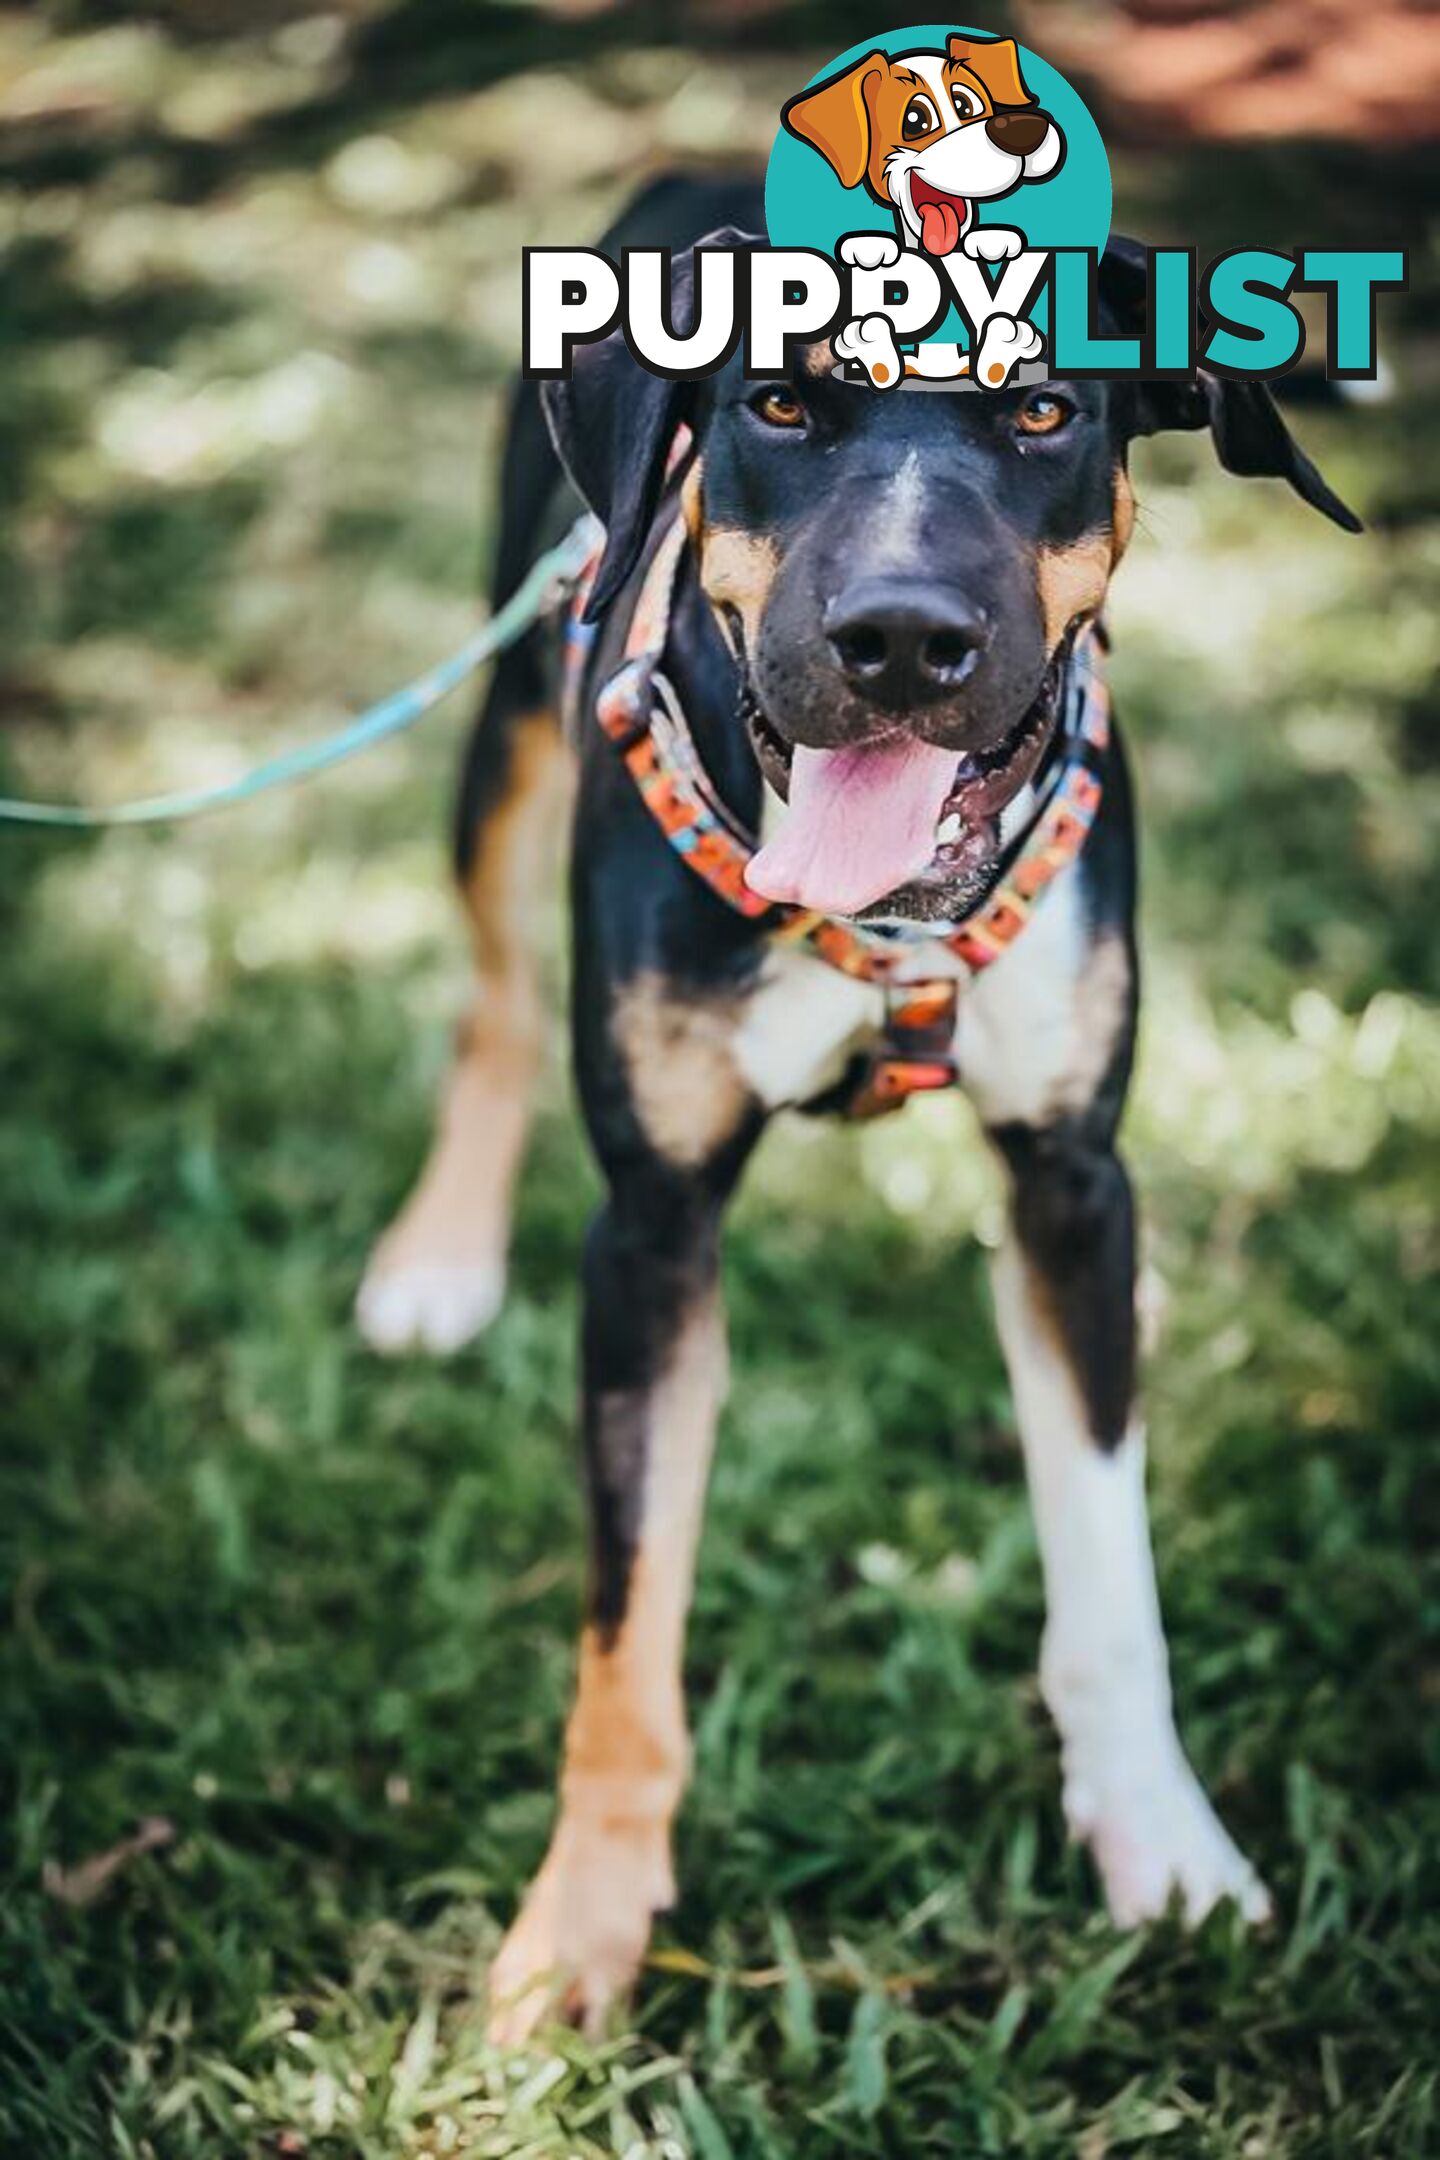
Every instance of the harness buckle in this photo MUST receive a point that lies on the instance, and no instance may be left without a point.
(914, 1056)
(890, 1079)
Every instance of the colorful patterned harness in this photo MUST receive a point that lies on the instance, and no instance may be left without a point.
(641, 713)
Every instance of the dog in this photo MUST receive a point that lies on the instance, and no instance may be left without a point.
(871, 612)
(930, 135)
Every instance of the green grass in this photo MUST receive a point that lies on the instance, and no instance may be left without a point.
(317, 1611)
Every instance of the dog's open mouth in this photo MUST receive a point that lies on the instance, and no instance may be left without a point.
(942, 217)
(900, 821)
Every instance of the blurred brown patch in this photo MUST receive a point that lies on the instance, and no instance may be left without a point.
(1297, 69)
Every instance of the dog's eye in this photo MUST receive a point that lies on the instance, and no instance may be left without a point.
(966, 103)
(1044, 412)
(920, 118)
(778, 408)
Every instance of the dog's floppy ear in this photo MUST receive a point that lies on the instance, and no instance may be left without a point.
(834, 118)
(997, 63)
(613, 423)
(1249, 435)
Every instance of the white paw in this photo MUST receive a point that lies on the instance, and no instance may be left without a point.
(1005, 343)
(869, 251)
(992, 243)
(871, 341)
(428, 1306)
(577, 1943)
(1154, 1837)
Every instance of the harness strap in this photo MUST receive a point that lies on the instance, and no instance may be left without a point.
(641, 713)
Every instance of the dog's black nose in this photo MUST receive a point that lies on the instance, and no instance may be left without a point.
(1017, 132)
(904, 644)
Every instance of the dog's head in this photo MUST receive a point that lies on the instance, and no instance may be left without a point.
(930, 134)
(899, 576)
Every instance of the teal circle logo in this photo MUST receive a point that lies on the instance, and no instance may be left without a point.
(948, 141)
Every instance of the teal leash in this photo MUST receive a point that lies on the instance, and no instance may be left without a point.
(545, 585)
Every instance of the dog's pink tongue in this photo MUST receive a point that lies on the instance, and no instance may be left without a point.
(861, 821)
(939, 227)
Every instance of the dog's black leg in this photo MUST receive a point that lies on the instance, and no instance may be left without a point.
(1073, 1227)
(673, 1123)
(1048, 1060)
(654, 1366)
(654, 1373)
(437, 1277)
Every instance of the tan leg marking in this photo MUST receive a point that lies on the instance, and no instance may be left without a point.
(688, 1090)
(579, 1938)
(437, 1276)
(1071, 582)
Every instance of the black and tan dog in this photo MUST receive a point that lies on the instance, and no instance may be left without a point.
(874, 620)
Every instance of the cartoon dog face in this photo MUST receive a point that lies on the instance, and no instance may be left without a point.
(931, 134)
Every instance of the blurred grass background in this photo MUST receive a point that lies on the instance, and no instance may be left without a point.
(258, 298)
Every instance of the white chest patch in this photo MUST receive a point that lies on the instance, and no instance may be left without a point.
(1026, 1047)
(802, 1025)
(1033, 1033)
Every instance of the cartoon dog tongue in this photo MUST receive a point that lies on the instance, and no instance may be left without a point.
(861, 821)
(939, 227)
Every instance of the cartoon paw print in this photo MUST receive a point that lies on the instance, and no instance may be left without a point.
(1005, 344)
(992, 243)
(871, 342)
(870, 251)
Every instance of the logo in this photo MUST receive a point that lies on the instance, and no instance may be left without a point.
(937, 202)
(952, 150)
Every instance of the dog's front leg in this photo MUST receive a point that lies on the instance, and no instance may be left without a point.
(653, 1357)
(1046, 1042)
(654, 1362)
(1064, 1299)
